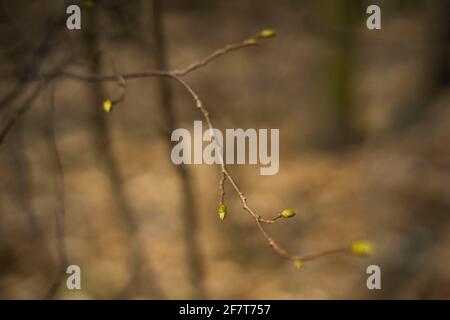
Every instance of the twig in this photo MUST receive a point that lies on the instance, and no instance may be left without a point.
(37, 58)
(222, 187)
(27, 104)
(211, 57)
(223, 167)
(324, 253)
(225, 174)
(60, 210)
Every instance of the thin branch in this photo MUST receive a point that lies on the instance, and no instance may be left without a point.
(38, 56)
(213, 56)
(223, 167)
(25, 106)
(225, 174)
(113, 77)
(222, 187)
(324, 253)
(60, 210)
(250, 42)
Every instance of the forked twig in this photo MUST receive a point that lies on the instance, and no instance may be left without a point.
(359, 247)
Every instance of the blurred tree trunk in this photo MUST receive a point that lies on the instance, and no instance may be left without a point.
(435, 62)
(22, 191)
(58, 174)
(341, 19)
(111, 167)
(154, 38)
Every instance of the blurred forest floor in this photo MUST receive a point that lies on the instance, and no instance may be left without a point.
(384, 177)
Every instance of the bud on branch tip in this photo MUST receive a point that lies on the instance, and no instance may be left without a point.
(107, 105)
(267, 33)
(288, 213)
(362, 248)
(298, 263)
(222, 211)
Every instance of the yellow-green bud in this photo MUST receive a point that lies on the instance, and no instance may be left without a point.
(298, 263)
(267, 33)
(107, 105)
(251, 42)
(222, 211)
(362, 248)
(288, 213)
